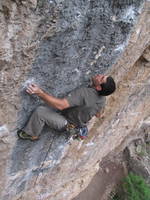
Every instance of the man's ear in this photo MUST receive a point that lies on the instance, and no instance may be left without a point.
(98, 88)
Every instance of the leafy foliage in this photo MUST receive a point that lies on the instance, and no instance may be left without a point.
(133, 188)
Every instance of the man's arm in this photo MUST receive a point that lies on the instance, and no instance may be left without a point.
(51, 100)
(100, 114)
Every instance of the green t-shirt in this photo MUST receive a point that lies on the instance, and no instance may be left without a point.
(85, 102)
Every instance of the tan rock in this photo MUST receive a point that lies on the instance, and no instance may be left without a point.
(146, 54)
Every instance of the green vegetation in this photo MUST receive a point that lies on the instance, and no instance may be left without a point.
(133, 188)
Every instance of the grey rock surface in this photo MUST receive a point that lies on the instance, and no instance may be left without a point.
(59, 45)
(79, 39)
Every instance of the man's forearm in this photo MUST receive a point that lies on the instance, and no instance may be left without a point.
(53, 101)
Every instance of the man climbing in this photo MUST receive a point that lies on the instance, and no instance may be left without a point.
(74, 110)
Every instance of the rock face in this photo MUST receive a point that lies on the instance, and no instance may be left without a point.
(72, 39)
(59, 45)
(137, 152)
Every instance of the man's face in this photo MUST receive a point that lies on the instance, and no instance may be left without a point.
(99, 79)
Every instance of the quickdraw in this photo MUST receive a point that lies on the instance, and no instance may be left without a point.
(77, 132)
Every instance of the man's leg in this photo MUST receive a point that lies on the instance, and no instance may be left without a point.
(41, 116)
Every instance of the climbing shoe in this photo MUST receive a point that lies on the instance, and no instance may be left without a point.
(23, 135)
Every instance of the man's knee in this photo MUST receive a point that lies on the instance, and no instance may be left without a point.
(60, 123)
(40, 110)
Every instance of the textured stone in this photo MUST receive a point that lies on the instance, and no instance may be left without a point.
(137, 154)
(74, 40)
(53, 43)
(146, 54)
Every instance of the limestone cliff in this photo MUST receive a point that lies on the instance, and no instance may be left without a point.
(59, 45)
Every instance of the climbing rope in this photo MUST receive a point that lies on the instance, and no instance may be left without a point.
(49, 148)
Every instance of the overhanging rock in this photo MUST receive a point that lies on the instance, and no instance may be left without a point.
(58, 45)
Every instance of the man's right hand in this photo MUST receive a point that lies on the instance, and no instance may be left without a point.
(34, 89)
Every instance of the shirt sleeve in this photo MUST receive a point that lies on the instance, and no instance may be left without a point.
(75, 98)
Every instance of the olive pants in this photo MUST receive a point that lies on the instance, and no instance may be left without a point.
(44, 115)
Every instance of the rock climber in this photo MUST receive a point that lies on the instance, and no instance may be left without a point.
(72, 111)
